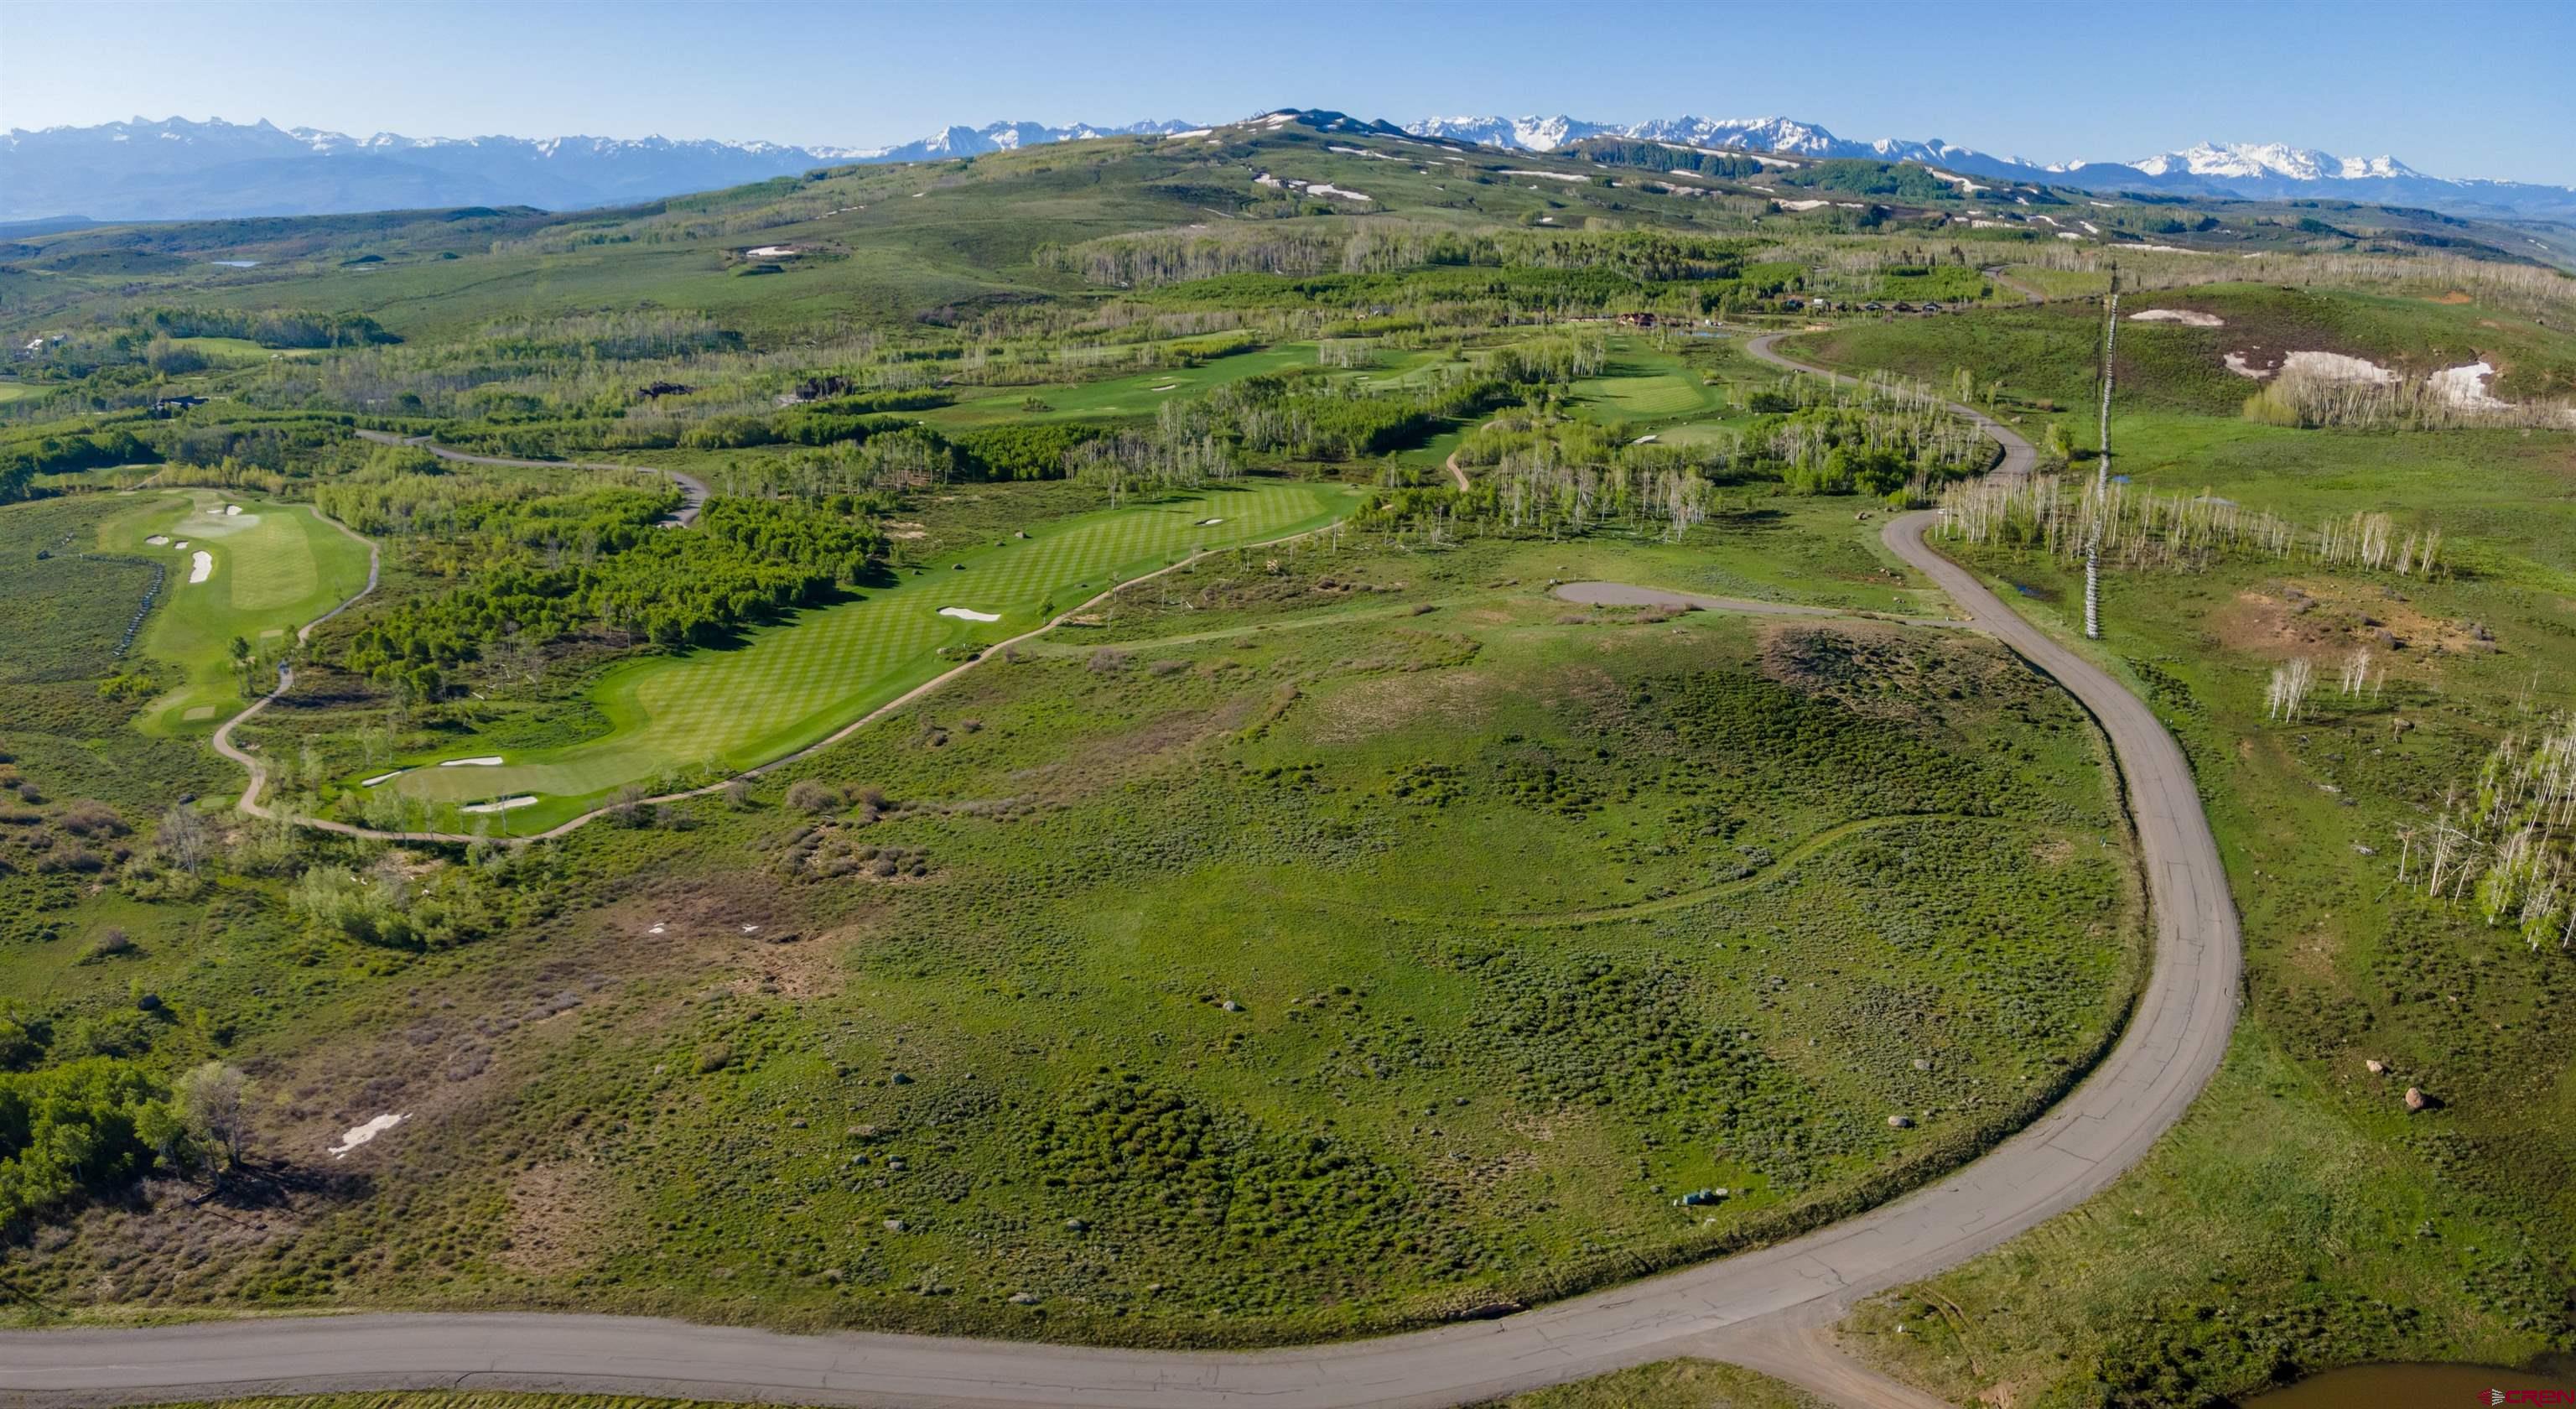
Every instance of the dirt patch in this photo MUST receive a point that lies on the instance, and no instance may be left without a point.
(2455, 296)
(2305, 617)
(808, 967)
(2055, 852)
(559, 1218)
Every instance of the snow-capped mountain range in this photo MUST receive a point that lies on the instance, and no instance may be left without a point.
(177, 169)
(2268, 170)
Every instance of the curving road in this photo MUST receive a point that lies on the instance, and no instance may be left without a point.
(693, 491)
(1769, 1309)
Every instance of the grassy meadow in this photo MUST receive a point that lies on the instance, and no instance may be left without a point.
(1320, 938)
(2301, 1217)
(1164, 975)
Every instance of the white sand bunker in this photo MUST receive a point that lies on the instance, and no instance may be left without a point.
(382, 778)
(2336, 367)
(357, 1135)
(2236, 363)
(502, 804)
(179, 547)
(969, 614)
(489, 760)
(1205, 522)
(2189, 318)
(201, 567)
(1167, 386)
(159, 540)
(231, 509)
(2467, 386)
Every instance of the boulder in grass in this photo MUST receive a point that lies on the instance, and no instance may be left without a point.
(2376, 1067)
(2416, 1100)
(1900, 1122)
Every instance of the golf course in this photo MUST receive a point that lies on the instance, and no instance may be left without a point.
(235, 568)
(707, 713)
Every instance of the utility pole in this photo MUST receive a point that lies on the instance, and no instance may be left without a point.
(2101, 470)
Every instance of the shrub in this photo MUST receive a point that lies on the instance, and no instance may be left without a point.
(808, 795)
(1108, 660)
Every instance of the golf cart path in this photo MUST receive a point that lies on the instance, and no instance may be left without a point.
(1769, 1309)
(223, 739)
(693, 491)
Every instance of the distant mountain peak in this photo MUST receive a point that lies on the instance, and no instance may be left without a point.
(176, 168)
(2254, 170)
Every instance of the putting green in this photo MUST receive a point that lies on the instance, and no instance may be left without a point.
(712, 712)
(269, 569)
(1642, 384)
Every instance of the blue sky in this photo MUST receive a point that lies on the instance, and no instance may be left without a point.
(2454, 87)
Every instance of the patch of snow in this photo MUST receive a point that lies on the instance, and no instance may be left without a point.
(969, 614)
(357, 1135)
(1550, 175)
(202, 566)
(2068, 235)
(2165, 249)
(1326, 188)
(502, 804)
(770, 252)
(236, 263)
(1195, 132)
(382, 778)
(1966, 186)
(1803, 205)
(2089, 227)
(2101, 205)
(2467, 387)
(489, 760)
(1990, 225)
(2336, 367)
(2188, 317)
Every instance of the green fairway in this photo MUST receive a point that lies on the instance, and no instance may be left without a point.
(1138, 394)
(720, 711)
(1644, 385)
(270, 569)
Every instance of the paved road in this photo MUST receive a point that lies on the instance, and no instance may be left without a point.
(1767, 1309)
(693, 491)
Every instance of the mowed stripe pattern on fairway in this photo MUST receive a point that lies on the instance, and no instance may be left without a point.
(793, 683)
